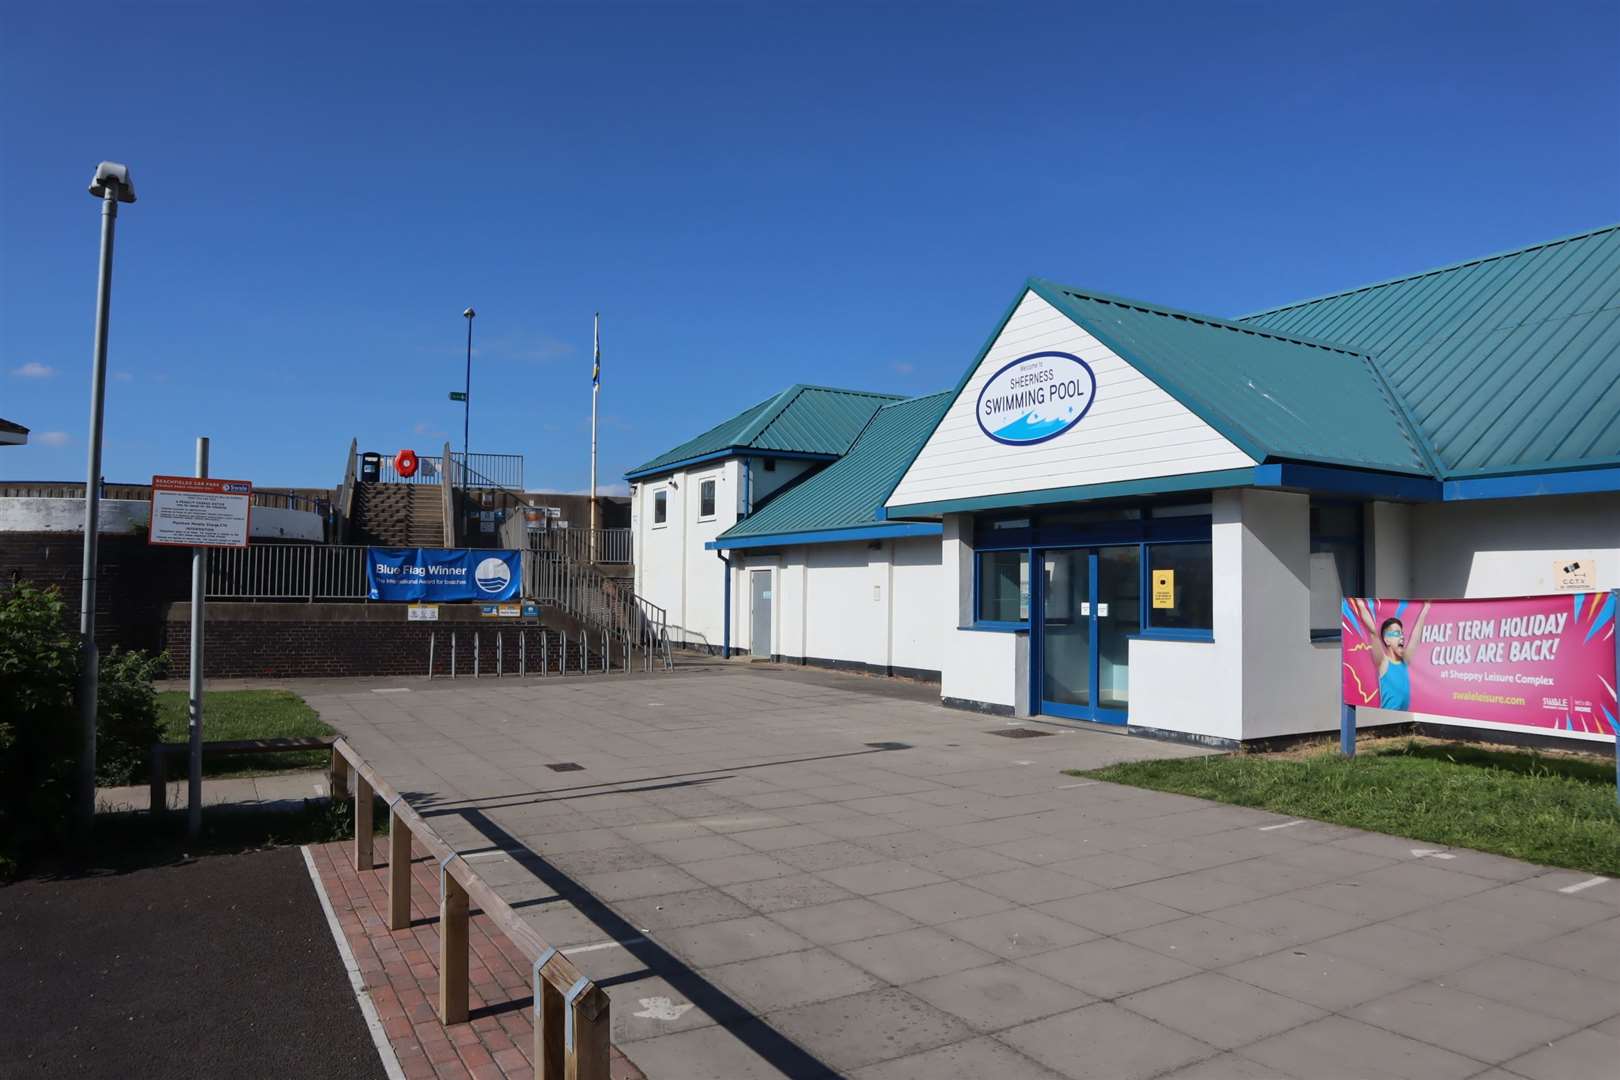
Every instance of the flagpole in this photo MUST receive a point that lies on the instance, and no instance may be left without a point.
(596, 388)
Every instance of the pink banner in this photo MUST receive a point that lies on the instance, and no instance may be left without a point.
(1534, 661)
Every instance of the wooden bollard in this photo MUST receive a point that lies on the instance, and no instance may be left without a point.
(452, 948)
(548, 1024)
(362, 823)
(338, 781)
(586, 1055)
(399, 870)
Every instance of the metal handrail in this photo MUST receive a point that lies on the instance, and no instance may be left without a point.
(494, 470)
(308, 572)
(605, 546)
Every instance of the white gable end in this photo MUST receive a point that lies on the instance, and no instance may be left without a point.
(1129, 429)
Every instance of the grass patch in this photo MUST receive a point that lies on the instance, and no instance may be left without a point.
(247, 714)
(1555, 809)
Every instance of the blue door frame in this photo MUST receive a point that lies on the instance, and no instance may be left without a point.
(1092, 711)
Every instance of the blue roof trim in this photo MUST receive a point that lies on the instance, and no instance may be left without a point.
(1371, 485)
(1573, 482)
(827, 536)
(1157, 485)
(728, 452)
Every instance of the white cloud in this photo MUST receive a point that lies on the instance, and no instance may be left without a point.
(34, 370)
(425, 428)
(902, 368)
(54, 438)
(618, 487)
(122, 376)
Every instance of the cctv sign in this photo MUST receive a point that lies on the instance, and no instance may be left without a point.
(190, 511)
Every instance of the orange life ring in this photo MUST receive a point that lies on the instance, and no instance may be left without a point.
(405, 463)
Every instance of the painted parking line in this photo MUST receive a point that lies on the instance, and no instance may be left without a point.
(1070, 787)
(572, 950)
(1284, 825)
(392, 690)
(1579, 886)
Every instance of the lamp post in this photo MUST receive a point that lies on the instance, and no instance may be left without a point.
(466, 397)
(112, 186)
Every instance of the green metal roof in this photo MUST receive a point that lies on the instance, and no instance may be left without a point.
(1506, 363)
(849, 493)
(802, 419)
(1276, 396)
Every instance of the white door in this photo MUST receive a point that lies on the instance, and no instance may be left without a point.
(759, 620)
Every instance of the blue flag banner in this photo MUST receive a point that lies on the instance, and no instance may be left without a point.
(443, 574)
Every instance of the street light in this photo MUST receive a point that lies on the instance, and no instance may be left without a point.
(112, 185)
(466, 396)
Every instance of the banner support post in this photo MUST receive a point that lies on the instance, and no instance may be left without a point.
(1347, 729)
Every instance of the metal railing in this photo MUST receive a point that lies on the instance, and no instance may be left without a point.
(488, 470)
(427, 471)
(609, 546)
(308, 572)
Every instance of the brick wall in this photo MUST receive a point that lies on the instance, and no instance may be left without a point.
(280, 641)
(135, 582)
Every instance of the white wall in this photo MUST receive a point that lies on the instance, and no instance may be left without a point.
(1511, 547)
(849, 602)
(131, 515)
(673, 569)
(984, 666)
(1132, 431)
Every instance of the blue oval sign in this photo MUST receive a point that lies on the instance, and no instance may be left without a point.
(1036, 398)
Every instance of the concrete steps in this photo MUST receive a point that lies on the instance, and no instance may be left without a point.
(399, 515)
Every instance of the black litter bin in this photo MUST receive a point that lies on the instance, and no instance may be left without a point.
(370, 467)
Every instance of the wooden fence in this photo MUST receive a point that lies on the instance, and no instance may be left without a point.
(572, 1020)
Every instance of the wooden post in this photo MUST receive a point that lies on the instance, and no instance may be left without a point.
(587, 1054)
(338, 783)
(548, 1027)
(159, 792)
(452, 949)
(399, 871)
(363, 839)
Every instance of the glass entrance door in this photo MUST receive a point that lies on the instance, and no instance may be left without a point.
(1090, 608)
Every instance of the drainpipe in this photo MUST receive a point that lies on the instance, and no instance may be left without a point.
(725, 637)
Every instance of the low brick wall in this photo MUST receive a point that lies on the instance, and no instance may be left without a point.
(285, 641)
(134, 581)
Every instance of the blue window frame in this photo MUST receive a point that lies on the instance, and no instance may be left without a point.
(1179, 532)
(1338, 559)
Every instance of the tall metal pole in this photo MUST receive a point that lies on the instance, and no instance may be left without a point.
(89, 659)
(199, 566)
(596, 388)
(466, 396)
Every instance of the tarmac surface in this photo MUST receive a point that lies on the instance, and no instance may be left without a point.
(219, 967)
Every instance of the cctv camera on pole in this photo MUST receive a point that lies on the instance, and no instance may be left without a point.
(112, 186)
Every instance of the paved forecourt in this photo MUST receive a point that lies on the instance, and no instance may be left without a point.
(791, 874)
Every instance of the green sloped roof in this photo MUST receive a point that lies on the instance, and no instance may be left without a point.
(1505, 363)
(848, 493)
(801, 419)
(1274, 395)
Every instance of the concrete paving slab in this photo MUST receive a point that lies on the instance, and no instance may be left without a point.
(1462, 1022)
(793, 854)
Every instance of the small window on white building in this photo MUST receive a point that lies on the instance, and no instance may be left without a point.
(706, 499)
(1338, 544)
(660, 508)
(1003, 587)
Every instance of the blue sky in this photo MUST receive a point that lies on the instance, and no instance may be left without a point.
(753, 195)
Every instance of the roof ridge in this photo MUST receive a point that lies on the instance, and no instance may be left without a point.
(914, 400)
(776, 406)
(1446, 269)
(1214, 321)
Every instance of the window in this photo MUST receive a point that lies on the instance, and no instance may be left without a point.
(1338, 544)
(1003, 587)
(1188, 603)
(706, 499)
(660, 507)
(770, 464)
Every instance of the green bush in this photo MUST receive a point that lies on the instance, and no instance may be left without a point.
(39, 739)
(38, 747)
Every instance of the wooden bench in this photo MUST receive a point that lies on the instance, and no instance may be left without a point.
(162, 752)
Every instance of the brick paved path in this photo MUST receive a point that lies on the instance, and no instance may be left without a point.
(401, 974)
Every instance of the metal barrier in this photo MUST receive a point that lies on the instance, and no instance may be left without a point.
(613, 546)
(427, 471)
(572, 1015)
(287, 572)
(488, 470)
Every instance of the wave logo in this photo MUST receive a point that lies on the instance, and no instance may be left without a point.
(1036, 398)
(493, 576)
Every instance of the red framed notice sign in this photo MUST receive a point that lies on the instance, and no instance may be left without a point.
(191, 511)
